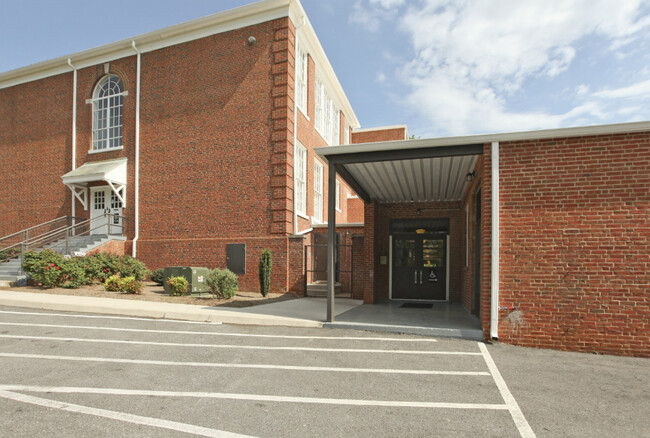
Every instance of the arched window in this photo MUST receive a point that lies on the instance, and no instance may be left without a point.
(107, 113)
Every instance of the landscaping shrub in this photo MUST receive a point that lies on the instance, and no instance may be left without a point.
(157, 276)
(73, 274)
(44, 267)
(178, 285)
(8, 254)
(265, 272)
(128, 266)
(51, 269)
(112, 283)
(130, 285)
(222, 283)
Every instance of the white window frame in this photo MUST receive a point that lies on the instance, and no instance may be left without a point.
(318, 192)
(338, 196)
(301, 79)
(300, 178)
(108, 114)
(318, 107)
(327, 116)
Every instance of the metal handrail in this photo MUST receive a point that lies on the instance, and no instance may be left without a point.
(66, 233)
(31, 228)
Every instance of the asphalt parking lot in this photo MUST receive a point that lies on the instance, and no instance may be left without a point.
(90, 375)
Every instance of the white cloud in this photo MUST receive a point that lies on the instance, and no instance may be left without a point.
(471, 60)
(638, 90)
(372, 15)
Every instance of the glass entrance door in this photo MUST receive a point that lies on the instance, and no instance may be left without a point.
(419, 267)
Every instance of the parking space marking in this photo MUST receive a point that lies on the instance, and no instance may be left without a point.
(121, 416)
(243, 347)
(128, 318)
(254, 397)
(240, 335)
(518, 417)
(245, 365)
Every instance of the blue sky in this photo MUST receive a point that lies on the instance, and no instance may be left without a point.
(443, 67)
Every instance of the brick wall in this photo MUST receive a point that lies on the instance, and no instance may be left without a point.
(35, 138)
(575, 243)
(379, 134)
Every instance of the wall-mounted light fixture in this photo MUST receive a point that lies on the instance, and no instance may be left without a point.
(251, 40)
(470, 176)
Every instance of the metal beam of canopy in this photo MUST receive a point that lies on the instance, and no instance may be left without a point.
(394, 172)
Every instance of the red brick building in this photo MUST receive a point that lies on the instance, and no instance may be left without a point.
(192, 150)
(215, 132)
(544, 235)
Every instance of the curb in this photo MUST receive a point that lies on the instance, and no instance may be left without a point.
(146, 309)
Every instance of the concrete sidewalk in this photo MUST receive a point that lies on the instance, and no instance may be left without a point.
(302, 312)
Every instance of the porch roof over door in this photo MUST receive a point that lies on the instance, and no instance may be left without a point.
(112, 172)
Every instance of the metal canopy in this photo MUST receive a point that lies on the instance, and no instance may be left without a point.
(111, 171)
(397, 172)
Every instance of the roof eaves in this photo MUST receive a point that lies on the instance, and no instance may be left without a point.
(247, 15)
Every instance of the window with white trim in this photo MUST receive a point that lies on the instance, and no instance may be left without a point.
(301, 79)
(318, 191)
(301, 179)
(318, 114)
(327, 116)
(107, 113)
(338, 195)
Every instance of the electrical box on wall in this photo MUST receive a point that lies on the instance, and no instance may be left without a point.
(236, 258)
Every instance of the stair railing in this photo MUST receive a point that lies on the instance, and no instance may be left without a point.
(75, 227)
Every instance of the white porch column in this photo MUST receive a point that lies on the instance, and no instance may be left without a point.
(494, 274)
(331, 239)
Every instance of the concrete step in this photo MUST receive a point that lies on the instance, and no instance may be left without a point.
(320, 290)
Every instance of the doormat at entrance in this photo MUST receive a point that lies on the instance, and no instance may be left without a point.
(416, 306)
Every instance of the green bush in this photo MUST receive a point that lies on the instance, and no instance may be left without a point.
(130, 285)
(51, 269)
(44, 267)
(266, 262)
(178, 285)
(112, 283)
(222, 283)
(157, 276)
(73, 274)
(128, 266)
(8, 254)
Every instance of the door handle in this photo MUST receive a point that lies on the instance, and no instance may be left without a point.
(415, 279)
(420, 276)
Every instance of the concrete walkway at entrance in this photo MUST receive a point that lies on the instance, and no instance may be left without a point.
(444, 319)
(304, 312)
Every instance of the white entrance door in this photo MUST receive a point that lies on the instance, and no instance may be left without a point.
(105, 201)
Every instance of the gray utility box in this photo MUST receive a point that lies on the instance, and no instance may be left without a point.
(196, 277)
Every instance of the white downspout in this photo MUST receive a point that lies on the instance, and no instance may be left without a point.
(494, 275)
(295, 137)
(74, 130)
(137, 154)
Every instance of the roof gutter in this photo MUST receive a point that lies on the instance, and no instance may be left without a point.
(74, 131)
(137, 154)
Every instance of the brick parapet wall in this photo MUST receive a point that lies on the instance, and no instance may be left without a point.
(575, 243)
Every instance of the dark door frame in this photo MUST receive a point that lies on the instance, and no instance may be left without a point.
(390, 272)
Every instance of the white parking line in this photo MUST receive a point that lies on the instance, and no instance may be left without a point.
(245, 365)
(254, 397)
(518, 417)
(242, 335)
(128, 318)
(121, 416)
(243, 347)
